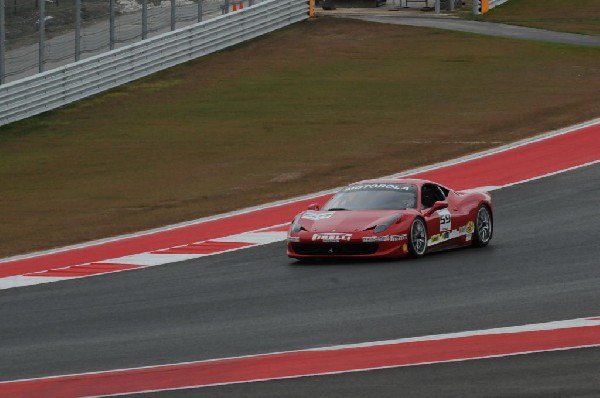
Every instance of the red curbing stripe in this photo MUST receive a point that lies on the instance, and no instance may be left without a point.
(85, 270)
(208, 230)
(305, 363)
(208, 247)
(522, 163)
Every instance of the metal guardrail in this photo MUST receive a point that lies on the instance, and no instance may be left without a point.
(99, 26)
(61, 86)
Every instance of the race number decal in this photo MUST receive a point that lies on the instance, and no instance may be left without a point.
(445, 220)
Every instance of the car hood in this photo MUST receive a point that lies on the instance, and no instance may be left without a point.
(345, 220)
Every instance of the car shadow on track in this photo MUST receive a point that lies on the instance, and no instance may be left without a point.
(436, 255)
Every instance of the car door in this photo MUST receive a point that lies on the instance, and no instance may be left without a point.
(439, 222)
(462, 217)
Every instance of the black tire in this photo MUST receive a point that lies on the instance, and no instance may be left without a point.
(483, 227)
(417, 239)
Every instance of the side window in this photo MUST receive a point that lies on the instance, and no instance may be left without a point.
(431, 194)
(427, 196)
(443, 192)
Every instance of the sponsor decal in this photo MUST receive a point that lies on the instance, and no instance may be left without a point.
(465, 230)
(405, 248)
(384, 238)
(332, 237)
(391, 187)
(370, 239)
(312, 215)
(470, 227)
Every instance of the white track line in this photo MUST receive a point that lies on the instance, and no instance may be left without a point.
(21, 281)
(259, 238)
(151, 259)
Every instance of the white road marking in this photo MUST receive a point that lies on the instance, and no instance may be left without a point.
(150, 259)
(260, 238)
(534, 327)
(21, 280)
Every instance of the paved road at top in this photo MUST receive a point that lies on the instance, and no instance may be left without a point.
(463, 25)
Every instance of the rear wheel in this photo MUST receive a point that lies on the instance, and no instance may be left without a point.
(417, 243)
(483, 227)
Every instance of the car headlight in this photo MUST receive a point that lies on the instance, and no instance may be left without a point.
(386, 225)
(296, 226)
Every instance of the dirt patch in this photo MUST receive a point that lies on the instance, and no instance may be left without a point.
(314, 106)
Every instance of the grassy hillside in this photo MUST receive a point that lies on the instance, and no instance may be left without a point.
(319, 104)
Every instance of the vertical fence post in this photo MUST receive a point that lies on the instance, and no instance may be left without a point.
(226, 6)
(199, 10)
(41, 31)
(437, 6)
(77, 30)
(112, 24)
(144, 19)
(2, 41)
(172, 15)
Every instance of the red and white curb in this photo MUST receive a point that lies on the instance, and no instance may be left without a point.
(174, 254)
(524, 161)
(452, 347)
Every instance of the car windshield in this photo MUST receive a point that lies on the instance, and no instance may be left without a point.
(374, 197)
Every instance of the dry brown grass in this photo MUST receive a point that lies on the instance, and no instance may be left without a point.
(310, 107)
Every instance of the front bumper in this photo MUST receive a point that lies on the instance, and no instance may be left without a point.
(315, 246)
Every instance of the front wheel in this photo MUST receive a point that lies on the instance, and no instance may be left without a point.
(417, 243)
(483, 227)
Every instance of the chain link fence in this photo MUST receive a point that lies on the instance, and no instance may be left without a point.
(39, 35)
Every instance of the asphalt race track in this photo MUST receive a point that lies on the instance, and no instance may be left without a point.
(541, 266)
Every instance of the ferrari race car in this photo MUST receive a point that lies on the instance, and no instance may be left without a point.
(391, 218)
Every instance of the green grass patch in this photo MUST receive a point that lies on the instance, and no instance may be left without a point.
(313, 106)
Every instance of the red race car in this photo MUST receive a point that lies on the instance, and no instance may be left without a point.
(391, 218)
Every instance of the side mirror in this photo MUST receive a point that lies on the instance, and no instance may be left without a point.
(313, 206)
(442, 204)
